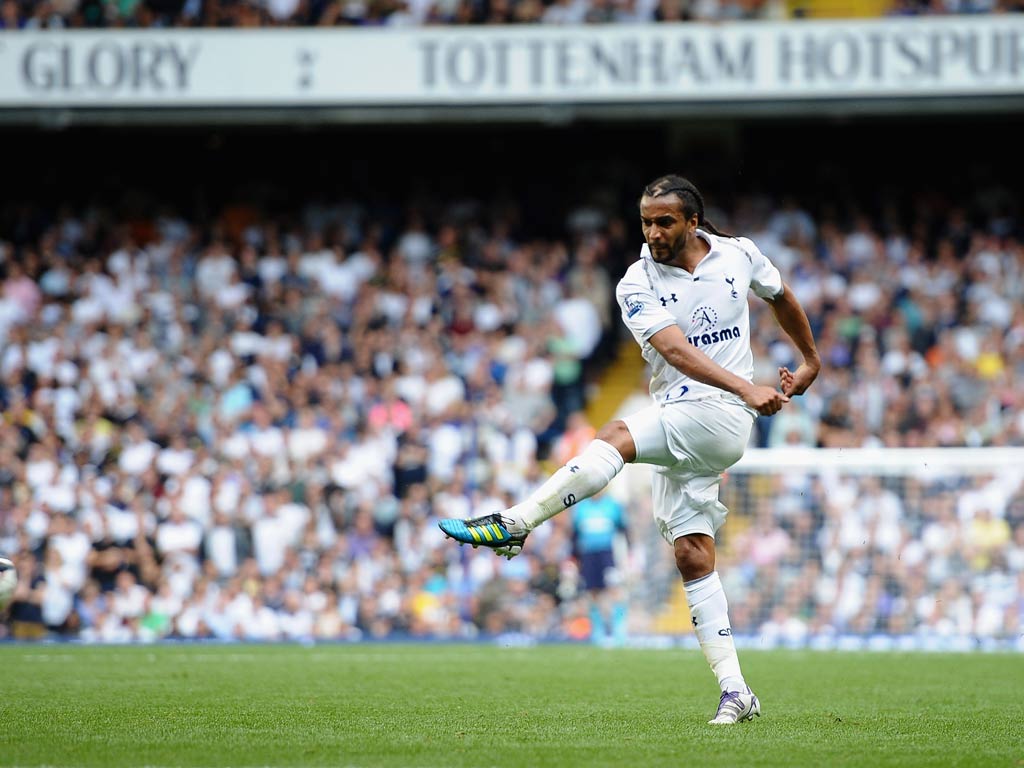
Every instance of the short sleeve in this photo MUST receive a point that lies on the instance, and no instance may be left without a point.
(642, 313)
(765, 279)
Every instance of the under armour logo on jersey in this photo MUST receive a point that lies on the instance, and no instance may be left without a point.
(732, 292)
(694, 620)
(664, 301)
(574, 468)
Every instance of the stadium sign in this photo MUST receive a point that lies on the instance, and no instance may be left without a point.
(108, 66)
(628, 64)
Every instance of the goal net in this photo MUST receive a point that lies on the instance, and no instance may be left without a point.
(904, 548)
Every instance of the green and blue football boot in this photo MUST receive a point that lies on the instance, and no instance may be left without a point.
(488, 531)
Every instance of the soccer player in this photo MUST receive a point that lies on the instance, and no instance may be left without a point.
(685, 302)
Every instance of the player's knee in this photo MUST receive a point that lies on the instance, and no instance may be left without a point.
(695, 556)
(616, 434)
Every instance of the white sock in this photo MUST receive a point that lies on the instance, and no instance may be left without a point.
(581, 477)
(710, 612)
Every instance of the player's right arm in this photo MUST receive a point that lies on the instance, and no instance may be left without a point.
(670, 342)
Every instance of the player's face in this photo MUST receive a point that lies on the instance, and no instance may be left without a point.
(666, 229)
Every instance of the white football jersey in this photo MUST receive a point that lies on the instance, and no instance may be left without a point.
(709, 305)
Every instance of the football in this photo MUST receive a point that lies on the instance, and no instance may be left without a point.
(8, 581)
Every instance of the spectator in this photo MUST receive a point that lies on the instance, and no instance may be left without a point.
(597, 523)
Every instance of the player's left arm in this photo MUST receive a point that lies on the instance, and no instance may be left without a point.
(791, 317)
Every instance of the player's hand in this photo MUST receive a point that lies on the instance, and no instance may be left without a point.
(796, 382)
(764, 400)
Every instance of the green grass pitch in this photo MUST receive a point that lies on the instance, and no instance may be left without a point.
(481, 705)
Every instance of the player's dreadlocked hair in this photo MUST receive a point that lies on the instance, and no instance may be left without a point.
(693, 201)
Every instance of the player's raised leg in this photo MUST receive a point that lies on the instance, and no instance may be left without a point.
(581, 477)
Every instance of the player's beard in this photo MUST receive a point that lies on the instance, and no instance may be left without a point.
(670, 252)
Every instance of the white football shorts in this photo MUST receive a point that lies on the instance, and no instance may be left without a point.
(691, 444)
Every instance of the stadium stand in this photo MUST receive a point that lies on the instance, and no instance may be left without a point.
(244, 425)
(72, 14)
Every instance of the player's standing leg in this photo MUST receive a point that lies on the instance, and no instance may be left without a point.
(713, 435)
(695, 559)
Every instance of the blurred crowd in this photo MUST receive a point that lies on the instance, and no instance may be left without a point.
(247, 430)
(59, 14)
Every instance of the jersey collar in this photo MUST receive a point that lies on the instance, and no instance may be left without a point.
(708, 238)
